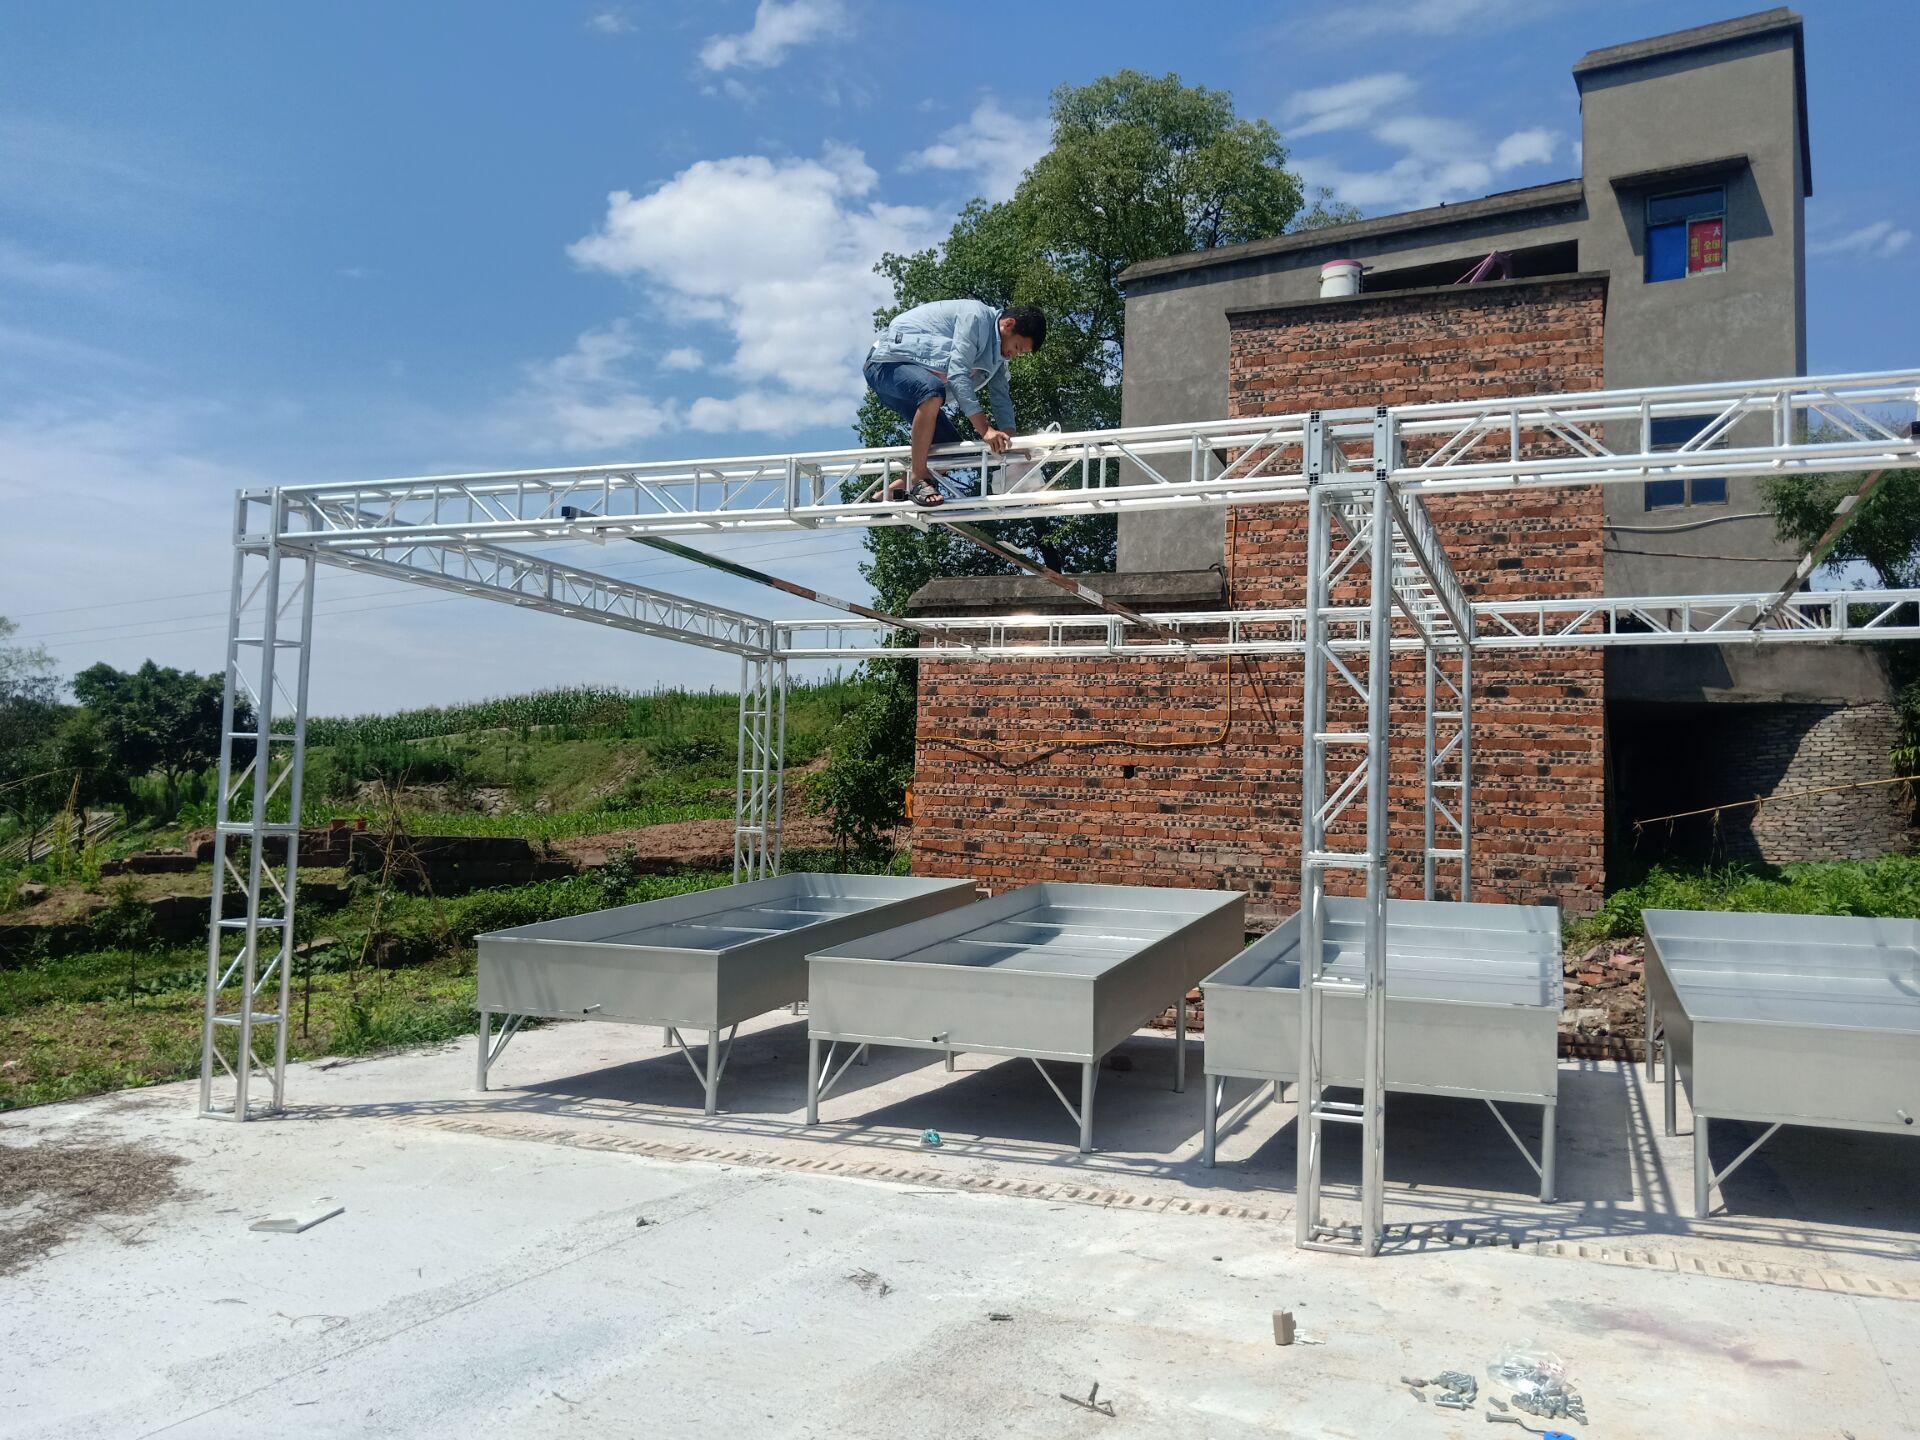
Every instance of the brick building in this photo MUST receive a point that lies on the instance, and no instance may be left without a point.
(1198, 781)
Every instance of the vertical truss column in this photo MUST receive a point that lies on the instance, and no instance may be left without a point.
(263, 727)
(1447, 765)
(1355, 752)
(758, 792)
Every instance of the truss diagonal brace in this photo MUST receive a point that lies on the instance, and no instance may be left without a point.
(790, 587)
(535, 583)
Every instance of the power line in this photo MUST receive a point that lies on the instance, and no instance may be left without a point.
(92, 637)
(632, 569)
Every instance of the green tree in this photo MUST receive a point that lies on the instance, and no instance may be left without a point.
(1140, 166)
(1885, 538)
(862, 791)
(1884, 535)
(155, 718)
(31, 787)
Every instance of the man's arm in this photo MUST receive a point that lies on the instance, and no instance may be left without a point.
(1000, 399)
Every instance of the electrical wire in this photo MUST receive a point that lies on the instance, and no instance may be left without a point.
(102, 634)
(974, 744)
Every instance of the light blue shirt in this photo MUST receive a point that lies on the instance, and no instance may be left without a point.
(959, 339)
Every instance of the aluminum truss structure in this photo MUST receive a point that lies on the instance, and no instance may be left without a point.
(1378, 584)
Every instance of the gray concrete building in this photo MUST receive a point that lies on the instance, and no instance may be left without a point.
(1695, 167)
(1686, 140)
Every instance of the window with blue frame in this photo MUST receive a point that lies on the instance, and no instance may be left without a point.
(1686, 234)
(1672, 432)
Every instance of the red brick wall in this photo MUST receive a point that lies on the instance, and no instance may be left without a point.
(1165, 798)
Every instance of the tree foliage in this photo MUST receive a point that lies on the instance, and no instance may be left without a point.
(1884, 536)
(30, 715)
(1140, 166)
(155, 718)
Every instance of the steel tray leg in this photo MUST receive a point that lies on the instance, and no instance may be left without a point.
(713, 1070)
(949, 1062)
(1088, 1072)
(1672, 1097)
(1702, 1167)
(1180, 1047)
(813, 1080)
(1209, 1108)
(1548, 1114)
(486, 1043)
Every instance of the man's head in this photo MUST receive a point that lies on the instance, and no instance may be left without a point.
(1023, 329)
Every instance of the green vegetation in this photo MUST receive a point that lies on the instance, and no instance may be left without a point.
(1884, 537)
(384, 972)
(1887, 886)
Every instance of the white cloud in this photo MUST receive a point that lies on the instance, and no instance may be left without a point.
(1525, 147)
(778, 26)
(22, 266)
(1881, 240)
(1441, 159)
(776, 254)
(609, 22)
(1400, 19)
(1344, 106)
(992, 145)
(781, 252)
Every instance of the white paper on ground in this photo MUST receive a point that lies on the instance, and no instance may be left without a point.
(299, 1220)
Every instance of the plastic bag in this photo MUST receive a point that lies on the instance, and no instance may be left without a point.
(1530, 1368)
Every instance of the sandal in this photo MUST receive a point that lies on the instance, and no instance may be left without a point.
(926, 494)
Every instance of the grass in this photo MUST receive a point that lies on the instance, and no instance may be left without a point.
(658, 716)
(1887, 886)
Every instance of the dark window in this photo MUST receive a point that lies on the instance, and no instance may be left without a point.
(1672, 432)
(1686, 234)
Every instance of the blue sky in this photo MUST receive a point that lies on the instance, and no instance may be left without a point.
(248, 244)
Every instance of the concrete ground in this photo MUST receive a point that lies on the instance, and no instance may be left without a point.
(580, 1252)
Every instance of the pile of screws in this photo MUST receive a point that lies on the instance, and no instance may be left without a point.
(1458, 1390)
(1551, 1402)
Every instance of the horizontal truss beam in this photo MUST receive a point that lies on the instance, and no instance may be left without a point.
(1597, 438)
(1582, 622)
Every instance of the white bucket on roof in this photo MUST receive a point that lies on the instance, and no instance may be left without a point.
(1340, 277)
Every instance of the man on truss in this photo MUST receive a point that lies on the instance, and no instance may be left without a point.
(950, 350)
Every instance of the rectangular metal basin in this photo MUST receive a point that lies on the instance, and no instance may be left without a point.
(1473, 1001)
(1472, 1010)
(1785, 1020)
(704, 961)
(1050, 971)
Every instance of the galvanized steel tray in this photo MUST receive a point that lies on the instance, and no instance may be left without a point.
(703, 961)
(1473, 1008)
(1051, 971)
(1784, 1020)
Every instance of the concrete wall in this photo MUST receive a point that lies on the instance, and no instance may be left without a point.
(1745, 322)
(1176, 360)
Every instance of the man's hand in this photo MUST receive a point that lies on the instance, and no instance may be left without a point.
(996, 440)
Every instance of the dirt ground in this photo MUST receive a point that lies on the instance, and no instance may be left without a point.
(49, 1189)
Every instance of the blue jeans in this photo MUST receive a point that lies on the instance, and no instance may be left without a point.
(904, 387)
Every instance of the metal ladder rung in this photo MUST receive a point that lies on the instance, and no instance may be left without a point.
(1340, 987)
(258, 1018)
(263, 922)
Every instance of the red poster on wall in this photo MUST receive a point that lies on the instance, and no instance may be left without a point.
(1706, 246)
